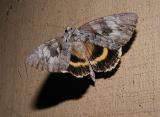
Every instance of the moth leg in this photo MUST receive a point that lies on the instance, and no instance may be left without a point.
(92, 74)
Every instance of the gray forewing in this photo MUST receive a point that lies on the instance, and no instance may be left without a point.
(111, 31)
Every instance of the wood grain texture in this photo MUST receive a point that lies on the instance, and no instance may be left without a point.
(132, 91)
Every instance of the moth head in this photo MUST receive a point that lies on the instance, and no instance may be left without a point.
(70, 33)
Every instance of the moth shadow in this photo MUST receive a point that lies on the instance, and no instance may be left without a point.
(60, 87)
(126, 48)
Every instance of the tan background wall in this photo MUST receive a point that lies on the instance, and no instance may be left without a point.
(133, 90)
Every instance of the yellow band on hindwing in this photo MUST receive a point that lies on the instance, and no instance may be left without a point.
(95, 61)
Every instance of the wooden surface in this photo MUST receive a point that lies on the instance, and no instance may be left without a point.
(133, 90)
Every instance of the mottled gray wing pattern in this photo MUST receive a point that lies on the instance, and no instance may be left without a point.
(51, 56)
(112, 31)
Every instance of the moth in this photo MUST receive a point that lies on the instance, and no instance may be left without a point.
(94, 46)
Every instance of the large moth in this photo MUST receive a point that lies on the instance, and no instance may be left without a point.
(94, 46)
